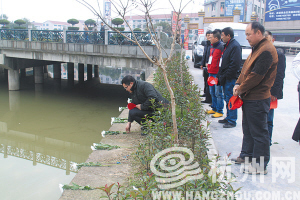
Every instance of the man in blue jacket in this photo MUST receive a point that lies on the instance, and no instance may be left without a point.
(229, 65)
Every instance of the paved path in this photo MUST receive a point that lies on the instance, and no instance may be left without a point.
(285, 119)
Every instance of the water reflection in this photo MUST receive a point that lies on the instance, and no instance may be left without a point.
(45, 129)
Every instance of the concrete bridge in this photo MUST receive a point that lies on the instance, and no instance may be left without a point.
(15, 56)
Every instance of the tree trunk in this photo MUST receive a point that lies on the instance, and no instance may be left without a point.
(173, 104)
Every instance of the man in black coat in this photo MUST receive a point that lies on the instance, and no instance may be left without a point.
(277, 88)
(228, 72)
(141, 94)
(203, 66)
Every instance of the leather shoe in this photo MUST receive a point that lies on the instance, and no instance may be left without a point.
(228, 125)
(223, 121)
(240, 160)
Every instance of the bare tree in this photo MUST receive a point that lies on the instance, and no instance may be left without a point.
(146, 6)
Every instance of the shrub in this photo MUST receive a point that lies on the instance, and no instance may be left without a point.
(120, 29)
(137, 29)
(71, 28)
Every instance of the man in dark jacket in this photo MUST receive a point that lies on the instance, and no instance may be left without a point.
(141, 93)
(229, 65)
(203, 66)
(277, 88)
(213, 69)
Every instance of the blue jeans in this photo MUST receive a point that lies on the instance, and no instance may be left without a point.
(270, 123)
(228, 93)
(216, 97)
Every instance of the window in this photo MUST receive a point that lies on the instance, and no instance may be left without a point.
(133, 26)
(255, 8)
(258, 11)
(196, 19)
(162, 20)
(213, 6)
(221, 15)
(222, 6)
(262, 21)
(262, 11)
(169, 20)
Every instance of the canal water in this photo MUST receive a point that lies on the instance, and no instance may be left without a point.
(46, 129)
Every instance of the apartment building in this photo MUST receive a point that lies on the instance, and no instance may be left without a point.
(223, 8)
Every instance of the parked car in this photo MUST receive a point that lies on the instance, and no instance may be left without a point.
(239, 35)
(298, 41)
(197, 50)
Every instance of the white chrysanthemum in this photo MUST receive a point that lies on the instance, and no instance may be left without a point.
(120, 109)
(61, 187)
(134, 188)
(93, 148)
(103, 133)
(129, 100)
(112, 121)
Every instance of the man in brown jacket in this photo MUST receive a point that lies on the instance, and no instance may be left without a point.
(253, 86)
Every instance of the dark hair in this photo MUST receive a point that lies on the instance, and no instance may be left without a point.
(268, 33)
(127, 80)
(219, 30)
(228, 31)
(208, 32)
(257, 26)
(217, 34)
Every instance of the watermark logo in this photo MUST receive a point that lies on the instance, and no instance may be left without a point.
(172, 169)
(284, 167)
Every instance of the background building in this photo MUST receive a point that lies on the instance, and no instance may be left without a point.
(283, 19)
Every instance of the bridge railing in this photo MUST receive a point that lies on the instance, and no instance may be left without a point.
(8, 34)
(114, 38)
(47, 36)
(80, 37)
(89, 37)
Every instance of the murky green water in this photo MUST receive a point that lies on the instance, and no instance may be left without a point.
(45, 130)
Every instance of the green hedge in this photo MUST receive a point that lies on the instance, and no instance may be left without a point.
(71, 28)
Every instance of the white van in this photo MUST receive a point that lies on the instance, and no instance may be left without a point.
(239, 35)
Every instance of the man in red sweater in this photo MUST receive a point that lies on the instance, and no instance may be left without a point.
(216, 49)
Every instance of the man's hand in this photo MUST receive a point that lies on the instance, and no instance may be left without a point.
(273, 98)
(201, 67)
(138, 106)
(235, 90)
(128, 126)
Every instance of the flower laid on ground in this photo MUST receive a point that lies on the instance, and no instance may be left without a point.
(100, 146)
(118, 120)
(129, 100)
(103, 133)
(122, 108)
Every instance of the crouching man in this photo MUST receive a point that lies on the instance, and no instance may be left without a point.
(141, 94)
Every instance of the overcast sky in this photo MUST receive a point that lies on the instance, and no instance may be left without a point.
(62, 10)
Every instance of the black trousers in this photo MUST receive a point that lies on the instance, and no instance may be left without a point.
(296, 134)
(206, 86)
(138, 115)
(256, 141)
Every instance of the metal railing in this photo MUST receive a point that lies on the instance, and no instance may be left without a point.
(114, 38)
(80, 37)
(87, 37)
(7, 34)
(47, 36)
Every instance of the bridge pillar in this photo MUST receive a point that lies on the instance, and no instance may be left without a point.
(80, 73)
(89, 72)
(13, 80)
(57, 71)
(23, 72)
(96, 71)
(38, 74)
(14, 100)
(70, 74)
(45, 71)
